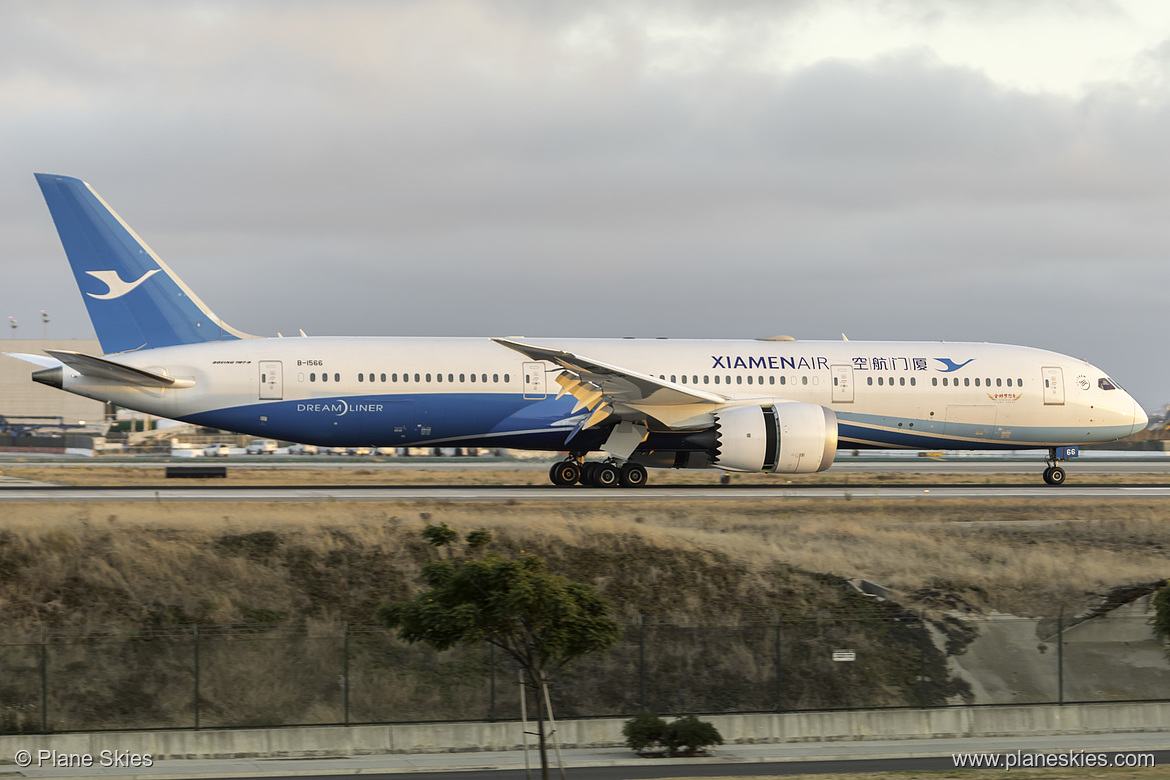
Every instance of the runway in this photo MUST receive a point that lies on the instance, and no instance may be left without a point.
(504, 494)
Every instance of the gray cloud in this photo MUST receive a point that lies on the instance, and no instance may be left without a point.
(484, 169)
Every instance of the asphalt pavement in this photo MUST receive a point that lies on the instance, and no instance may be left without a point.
(614, 763)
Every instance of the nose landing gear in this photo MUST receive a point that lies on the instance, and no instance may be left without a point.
(1054, 474)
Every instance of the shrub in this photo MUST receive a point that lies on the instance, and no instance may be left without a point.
(686, 735)
(645, 731)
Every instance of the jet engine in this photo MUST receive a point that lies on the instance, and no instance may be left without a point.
(784, 436)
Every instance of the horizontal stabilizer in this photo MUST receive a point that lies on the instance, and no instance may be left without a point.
(100, 368)
(36, 360)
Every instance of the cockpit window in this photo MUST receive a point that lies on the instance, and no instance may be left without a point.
(1105, 383)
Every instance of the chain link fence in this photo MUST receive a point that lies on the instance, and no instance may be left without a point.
(215, 677)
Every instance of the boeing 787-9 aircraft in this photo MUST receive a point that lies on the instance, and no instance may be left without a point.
(773, 405)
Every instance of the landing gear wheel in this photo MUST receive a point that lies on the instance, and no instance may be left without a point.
(633, 475)
(587, 472)
(606, 475)
(1054, 475)
(566, 472)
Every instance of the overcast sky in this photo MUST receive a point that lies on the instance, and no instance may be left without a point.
(971, 170)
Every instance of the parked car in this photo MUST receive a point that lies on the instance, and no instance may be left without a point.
(386, 451)
(261, 447)
(217, 451)
(336, 451)
(302, 449)
(357, 451)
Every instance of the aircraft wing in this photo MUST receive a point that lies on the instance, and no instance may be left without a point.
(100, 368)
(633, 398)
(613, 382)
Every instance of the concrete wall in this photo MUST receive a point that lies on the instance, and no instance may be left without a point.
(1036, 720)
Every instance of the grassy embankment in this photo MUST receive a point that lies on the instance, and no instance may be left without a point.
(138, 567)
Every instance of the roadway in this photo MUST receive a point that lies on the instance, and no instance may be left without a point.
(619, 763)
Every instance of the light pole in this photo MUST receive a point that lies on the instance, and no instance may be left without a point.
(12, 323)
(45, 323)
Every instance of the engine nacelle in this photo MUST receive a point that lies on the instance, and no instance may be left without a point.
(784, 436)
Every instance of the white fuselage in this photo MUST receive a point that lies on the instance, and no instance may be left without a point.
(475, 392)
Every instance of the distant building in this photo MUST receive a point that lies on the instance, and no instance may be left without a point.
(22, 397)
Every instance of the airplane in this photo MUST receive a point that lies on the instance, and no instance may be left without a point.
(762, 405)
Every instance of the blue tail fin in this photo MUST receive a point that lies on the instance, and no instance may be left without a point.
(135, 301)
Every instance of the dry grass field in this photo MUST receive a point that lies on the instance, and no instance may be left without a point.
(690, 560)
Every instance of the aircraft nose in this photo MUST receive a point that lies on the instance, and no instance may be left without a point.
(1139, 418)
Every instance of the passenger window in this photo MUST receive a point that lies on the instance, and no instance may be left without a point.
(416, 378)
(360, 377)
(484, 377)
(977, 381)
(312, 377)
(880, 381)
(472, 377)
(902, 381)
(1009, 381)
(673, 378)
(507, 378)
(324, 377)
(695, 378)
(998, 382)
(1046, 383)
(869, 380)
(913, 381)
(783, 380)
(772, 380)
(707, 379)
(804, 380)
(1019, 382)
(438, 377)
(383, 377)
(835, 382)
(945, 382)
(749, 380)
(716, 379)
(428, 377)
(450, 377)
(934, 381)
(891, 381)
(739, 380)
(966, 381)
(495, 377)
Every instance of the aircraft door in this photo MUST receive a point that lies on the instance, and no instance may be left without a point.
(842, 384)
(1053, 385)
(534, 381)
(271, 380)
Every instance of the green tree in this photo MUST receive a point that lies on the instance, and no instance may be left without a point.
(1162, 613)
(542, 620)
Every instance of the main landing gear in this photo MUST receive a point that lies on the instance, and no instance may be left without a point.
(607, 473)
(1053, 475)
